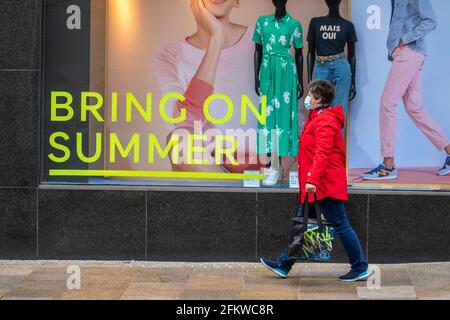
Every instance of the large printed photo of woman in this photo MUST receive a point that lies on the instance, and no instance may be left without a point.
(217, 58)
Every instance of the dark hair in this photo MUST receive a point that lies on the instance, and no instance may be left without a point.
(323, 91)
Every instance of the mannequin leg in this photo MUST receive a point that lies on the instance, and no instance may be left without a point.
(272, 171)
(342, 79)
(276, 162)
(286, 165)
(322, 71)
(269, 163)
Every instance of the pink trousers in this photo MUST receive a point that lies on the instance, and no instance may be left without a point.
(404, 82)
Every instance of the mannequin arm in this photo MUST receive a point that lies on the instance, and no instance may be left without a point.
(299, 63)
(352, 61)
(258, 61)
(311, 59)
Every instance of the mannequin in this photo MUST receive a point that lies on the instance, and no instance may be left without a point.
(280, 12)
(282, 161)
(338, 33)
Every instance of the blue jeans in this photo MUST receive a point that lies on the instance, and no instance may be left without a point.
(339, 73)
(334, 212)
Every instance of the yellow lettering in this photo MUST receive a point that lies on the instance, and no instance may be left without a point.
(59, 147)
(228, 102)
(114, 107)
(172, 144)
(192, 149)
(114, 143)
(85, 107)
(162, 108)
(98, 148)
(55, 106)
(132, 101)
(261, 117)
(228, 152)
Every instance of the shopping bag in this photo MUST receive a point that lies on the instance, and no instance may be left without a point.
(318, 234)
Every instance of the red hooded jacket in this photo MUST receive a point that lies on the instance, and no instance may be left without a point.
(321, 155)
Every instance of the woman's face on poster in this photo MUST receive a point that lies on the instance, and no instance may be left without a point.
(220, 8)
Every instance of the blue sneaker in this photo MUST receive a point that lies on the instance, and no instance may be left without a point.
(281, 267)
(380, 173)
(445, 169)
(354, 276)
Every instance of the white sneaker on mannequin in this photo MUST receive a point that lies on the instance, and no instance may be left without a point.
(271, 176)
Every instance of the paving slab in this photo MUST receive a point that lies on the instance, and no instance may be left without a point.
(99, 280)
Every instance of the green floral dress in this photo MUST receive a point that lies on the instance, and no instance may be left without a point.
(278, 81)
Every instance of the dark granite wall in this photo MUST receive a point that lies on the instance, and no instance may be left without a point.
(39, 223)
(20, 34)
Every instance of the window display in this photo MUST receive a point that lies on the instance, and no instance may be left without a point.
(211, 93)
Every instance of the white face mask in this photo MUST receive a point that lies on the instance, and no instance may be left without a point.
(308, 103)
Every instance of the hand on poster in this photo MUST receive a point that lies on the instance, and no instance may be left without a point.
(206, 20)
(401, 45)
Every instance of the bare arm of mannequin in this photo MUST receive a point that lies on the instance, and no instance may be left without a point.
(311, 59)
(258, 61)
(299, 63)
(352, 61)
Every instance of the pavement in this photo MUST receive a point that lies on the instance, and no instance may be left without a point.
(94, 280)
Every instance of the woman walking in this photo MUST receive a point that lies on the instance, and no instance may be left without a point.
(322, 170)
